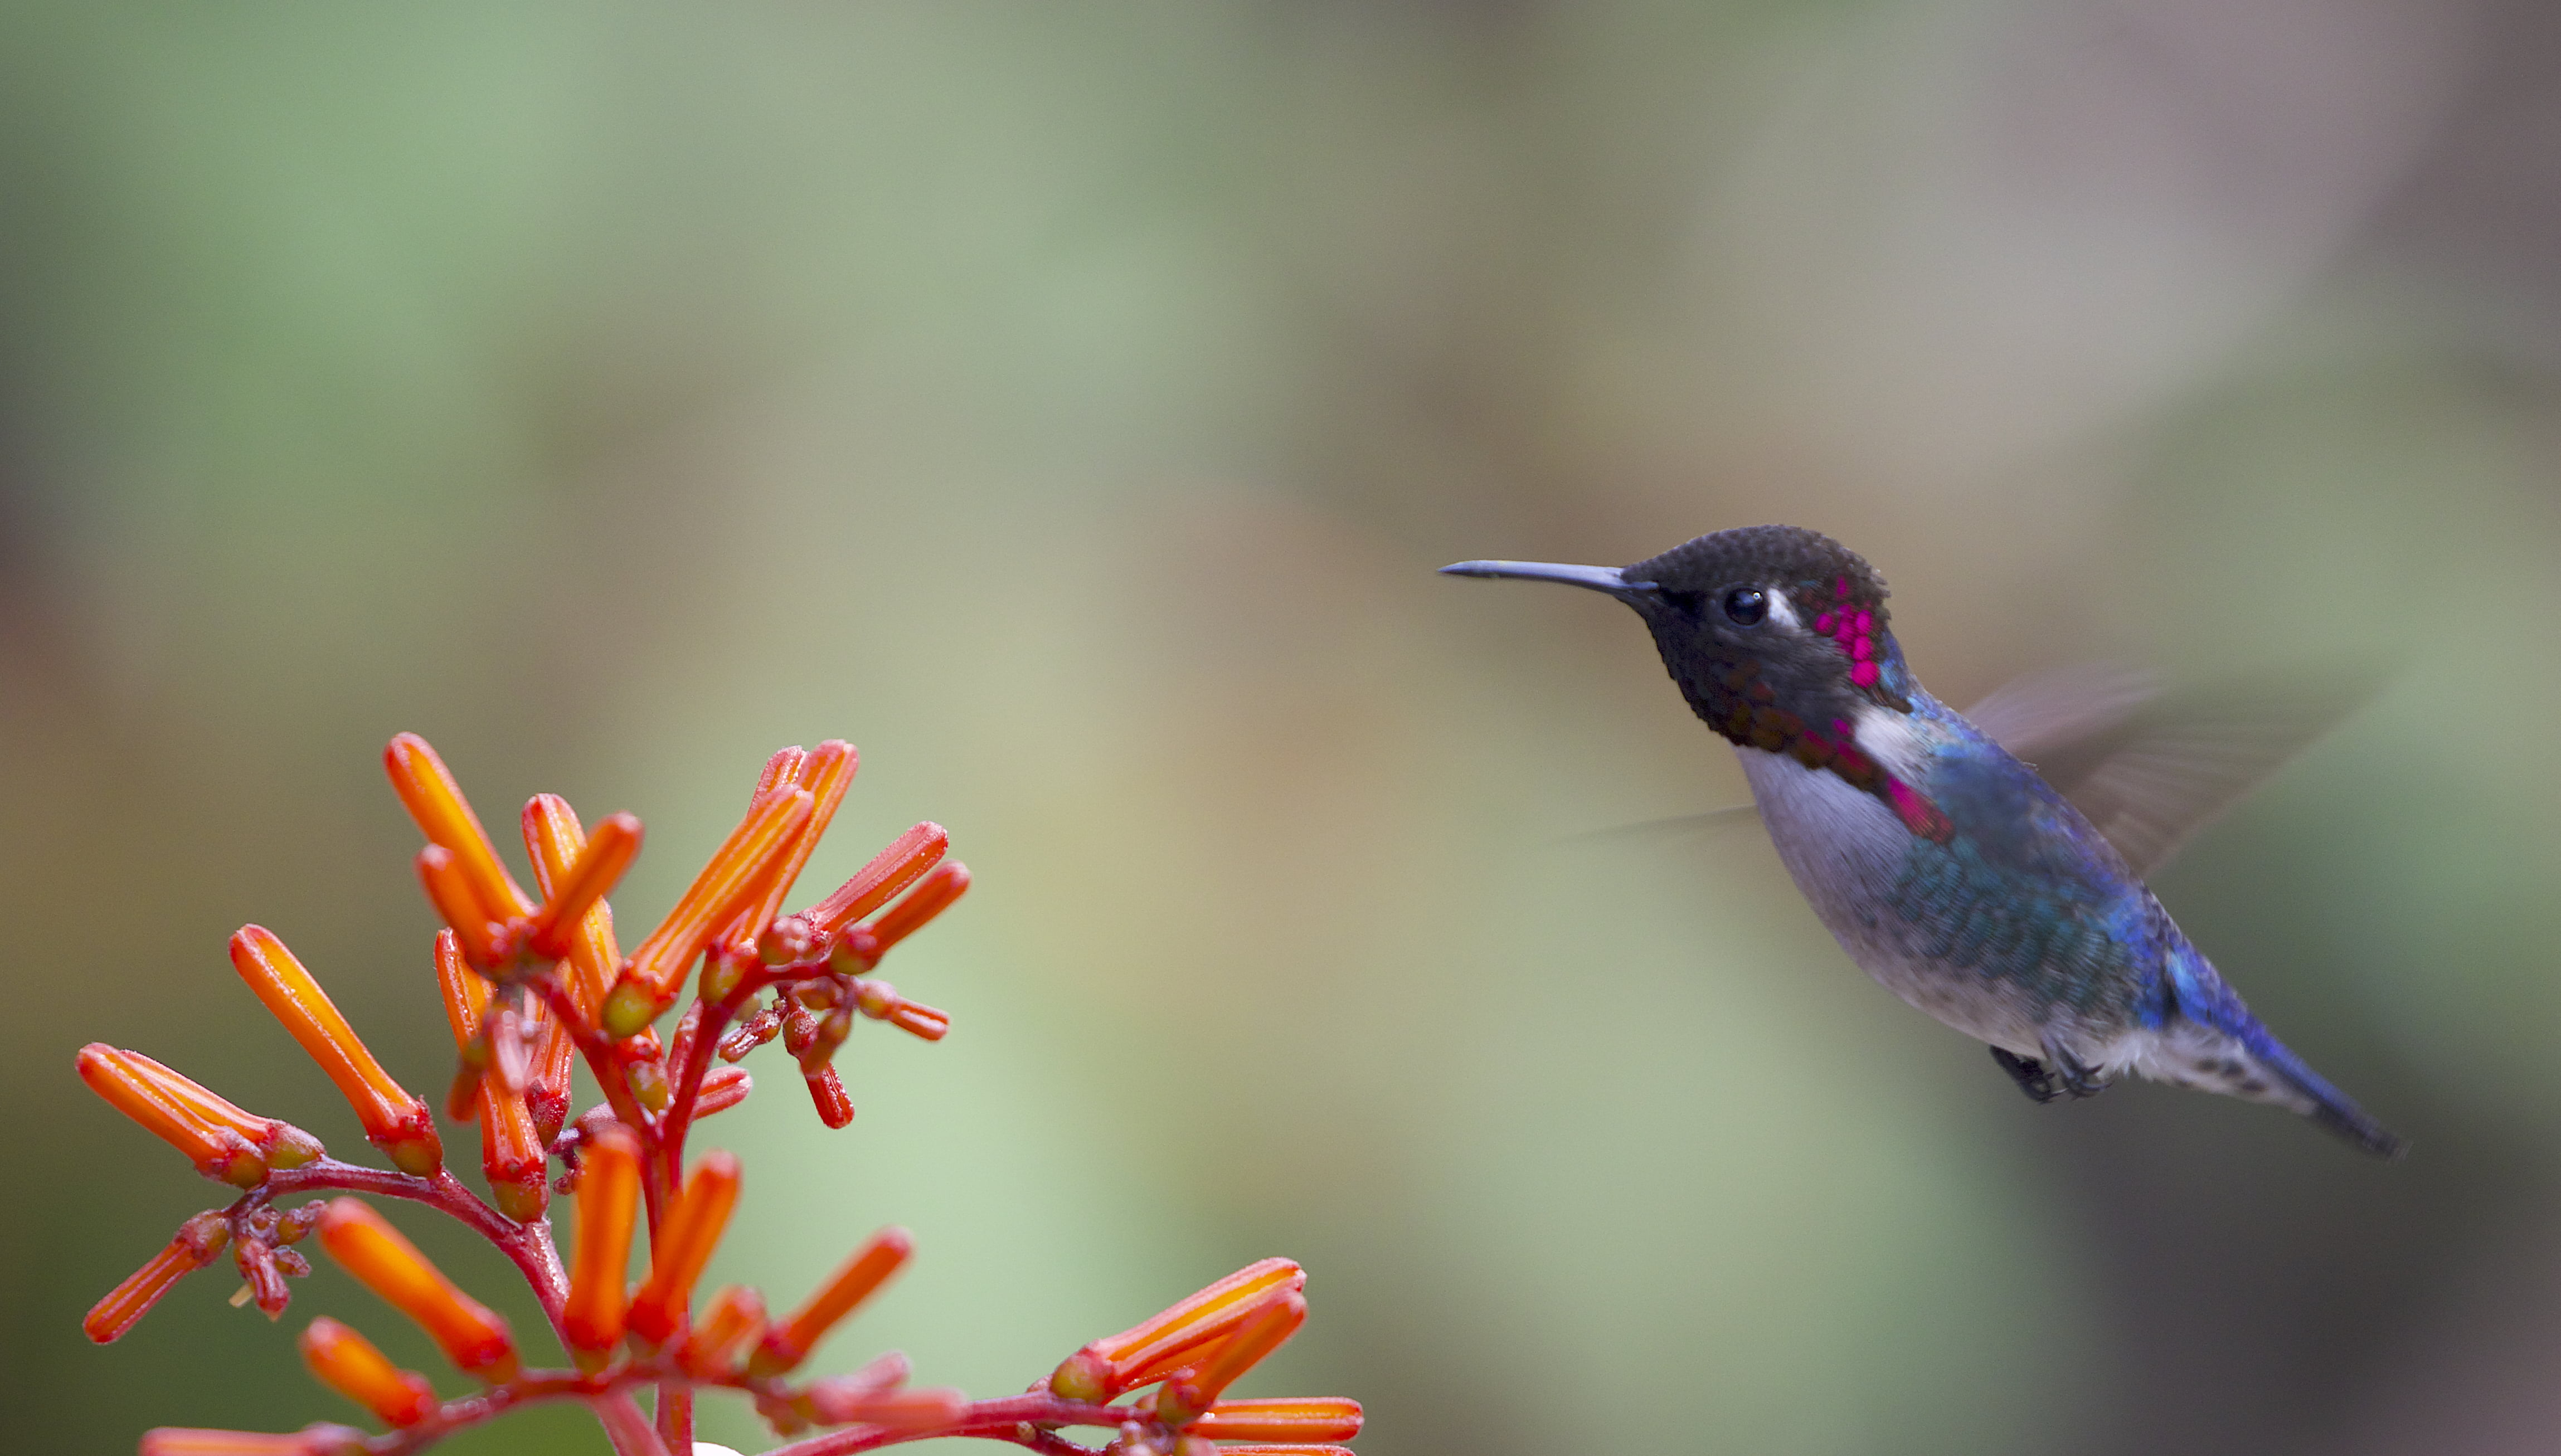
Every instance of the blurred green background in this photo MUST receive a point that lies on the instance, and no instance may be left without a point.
(1068, 404)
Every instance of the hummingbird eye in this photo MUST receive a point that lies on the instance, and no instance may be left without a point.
(1745, 607)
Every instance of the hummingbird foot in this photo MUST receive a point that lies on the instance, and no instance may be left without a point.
(2030, 1075)
(2069, 1077)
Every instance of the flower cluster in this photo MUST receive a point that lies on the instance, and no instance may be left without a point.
(531, 986)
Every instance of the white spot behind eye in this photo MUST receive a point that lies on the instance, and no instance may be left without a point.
(1780, 610)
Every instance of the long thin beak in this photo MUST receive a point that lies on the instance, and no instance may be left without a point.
(1597, 578)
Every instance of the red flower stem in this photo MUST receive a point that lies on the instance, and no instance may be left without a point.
(994, 1420)
(677, 1415)
(529, 1246)
(597, 1049)
(716, 1019)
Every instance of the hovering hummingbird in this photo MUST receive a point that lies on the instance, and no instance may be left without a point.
(1950, 870)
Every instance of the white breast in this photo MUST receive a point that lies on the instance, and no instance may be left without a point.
(1845, 850)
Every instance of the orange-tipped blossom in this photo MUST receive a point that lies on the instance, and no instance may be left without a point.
(790, 1340)
(199, 1242)
(428, 790)
(222, 1140)
(735, 1316)
(1266, 1329)
(439, 874)
(466, 999)
(826, 774)
(314, 1440)
(608, 1190)
(590, 878)
(554, 840)
(1169, 1340)
(395, 1121)
(683, 1244)
(891, 871)
(514, 1157)
(735, 874)
(348, 1364)
(1305, 1420)
(547, 1086)
(880, 1000)
(473, 1337)
(931, 896)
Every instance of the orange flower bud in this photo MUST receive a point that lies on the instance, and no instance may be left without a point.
(685, 1238)
(891, 871)
(555, 840)
(395, 1121)
(735, 1316)
(465, 994)
(723, 1087)
(1307, 1418)
(439, 874)
(788, 1342)
(427, 789)
(314, 1440)
(736, 875)
(1157, 1345)
(348, 1364)
(609, 1190)
(514, 1156)
(199, 1242)
(222, 1141)
(591, 877)
(547, 1087)
(931, 896)
(473, 1337)
(826, 774)
(1267, 1328)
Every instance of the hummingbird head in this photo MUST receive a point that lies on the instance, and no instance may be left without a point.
(1777, 635)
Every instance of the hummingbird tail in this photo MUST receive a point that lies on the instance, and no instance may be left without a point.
(2247, 1063)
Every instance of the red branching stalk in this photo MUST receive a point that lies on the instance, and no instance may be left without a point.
(526, 985)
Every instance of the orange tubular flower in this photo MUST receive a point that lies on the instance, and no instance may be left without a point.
(609, 1190)
(1266, 1329)
(826, 773)
(788, 1342)
(931, 896)
(686, 1236)
(828, 1094)
(439, 874)
(395, 1121)
(199, 1242)
(1153, 1348)
(590, 877)
(514, 1155)
(891, 871)
(222, 1141)
(554, 840)
(348, 1364)
(474, 1337)
(736, 875)
(735, 1316)
(428, 790)
(1317, 1418)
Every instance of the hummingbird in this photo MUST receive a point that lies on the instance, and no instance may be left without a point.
(1953, 872)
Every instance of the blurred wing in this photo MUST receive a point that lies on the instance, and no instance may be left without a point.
(2150, 769)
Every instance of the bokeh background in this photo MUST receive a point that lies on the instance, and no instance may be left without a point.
(1068, 404)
